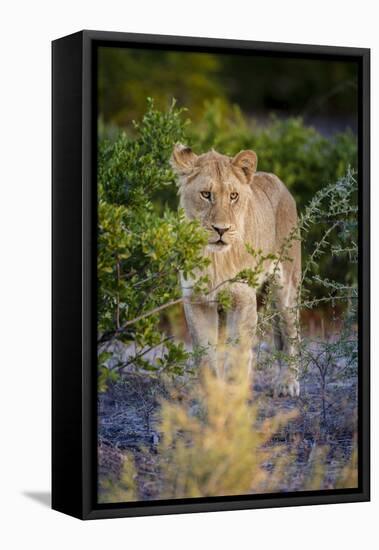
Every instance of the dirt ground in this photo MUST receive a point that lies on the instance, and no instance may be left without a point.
(128, 414)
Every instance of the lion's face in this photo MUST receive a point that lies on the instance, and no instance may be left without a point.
(215, 189)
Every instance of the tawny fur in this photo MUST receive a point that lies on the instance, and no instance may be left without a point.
(248, 207)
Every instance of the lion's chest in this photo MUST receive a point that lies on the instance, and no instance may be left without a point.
(220, 274)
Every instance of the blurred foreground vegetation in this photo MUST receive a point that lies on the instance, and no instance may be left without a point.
(215, 438)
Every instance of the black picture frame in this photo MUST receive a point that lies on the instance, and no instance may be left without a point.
(74, 136)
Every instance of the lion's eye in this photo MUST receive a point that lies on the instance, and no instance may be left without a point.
(206, 195)
(233, 196)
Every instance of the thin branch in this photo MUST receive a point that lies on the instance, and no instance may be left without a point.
(118, 276)
(317, 250)
(152, 312)
(144, 352)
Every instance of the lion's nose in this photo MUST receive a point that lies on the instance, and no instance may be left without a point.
(221, 229)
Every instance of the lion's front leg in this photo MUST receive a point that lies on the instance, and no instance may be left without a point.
(240, 332)
(202, 321)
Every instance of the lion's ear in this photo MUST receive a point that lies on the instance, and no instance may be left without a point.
(247, 162)
(183, 159)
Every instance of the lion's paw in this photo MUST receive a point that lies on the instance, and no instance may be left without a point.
(286, 385)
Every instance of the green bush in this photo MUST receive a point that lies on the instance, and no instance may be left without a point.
(142, 248)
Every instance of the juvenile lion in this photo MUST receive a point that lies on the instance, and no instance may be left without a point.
(238, 205)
